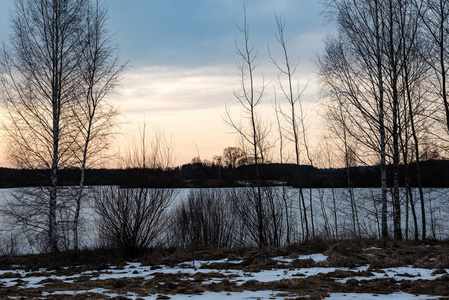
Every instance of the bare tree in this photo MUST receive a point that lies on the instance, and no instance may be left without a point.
(40, 81)
(100, 71)
(217, 162)
(245, 206)
(414, 75)
(132, 219)
(435, 20)
(232, 157)
(393, 51)
(57, 74)
(352, 73)
(337, 123)
(327, 153)
(380, 66)
(149, 151)
(294, 118)
(285, 198)
(255, 133)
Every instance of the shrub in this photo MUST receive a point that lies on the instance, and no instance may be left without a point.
(131, 219)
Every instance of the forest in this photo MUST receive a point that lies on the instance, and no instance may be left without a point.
(383, 81)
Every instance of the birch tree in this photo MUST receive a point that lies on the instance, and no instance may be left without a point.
(100, 74)
(351, 71)
(41, 78)
(57, 69)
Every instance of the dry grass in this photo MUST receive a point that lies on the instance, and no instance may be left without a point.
(378, 254)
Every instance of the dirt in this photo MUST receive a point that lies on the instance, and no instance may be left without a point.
(348, 254)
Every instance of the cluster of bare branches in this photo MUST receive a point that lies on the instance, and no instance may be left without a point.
(205, 218)
(131, 219)
(385, 76)
(56, 75)
(253, 134)
(256, 135)
(148, 151)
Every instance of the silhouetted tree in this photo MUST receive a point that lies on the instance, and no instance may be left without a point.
(255, 132)
(41, 82)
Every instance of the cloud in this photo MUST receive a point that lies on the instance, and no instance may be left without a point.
(161, 90)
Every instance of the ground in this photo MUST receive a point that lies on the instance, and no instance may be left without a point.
(356, 269)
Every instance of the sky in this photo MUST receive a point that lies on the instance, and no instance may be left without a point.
(182, 63)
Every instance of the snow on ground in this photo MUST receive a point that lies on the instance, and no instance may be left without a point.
(262, 295)
(186, 270)
(137, 270)
(318, 257)
(400, 273)
(239, 276)
(104, 292)
(198, 263)
(394, 296)
(372, 248)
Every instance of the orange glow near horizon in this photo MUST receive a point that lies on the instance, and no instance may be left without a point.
(188, 105)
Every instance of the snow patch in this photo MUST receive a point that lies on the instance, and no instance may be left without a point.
(317, 257)
(395, 296)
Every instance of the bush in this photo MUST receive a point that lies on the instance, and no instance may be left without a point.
(131, 219)
(205, 218)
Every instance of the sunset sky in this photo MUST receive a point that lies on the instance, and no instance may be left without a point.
(182, 62)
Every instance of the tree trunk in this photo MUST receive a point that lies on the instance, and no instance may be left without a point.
(383, 169)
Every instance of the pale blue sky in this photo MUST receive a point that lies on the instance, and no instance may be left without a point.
(182, 61)
(202, 32)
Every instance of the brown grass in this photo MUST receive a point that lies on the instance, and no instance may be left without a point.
(340, 254)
